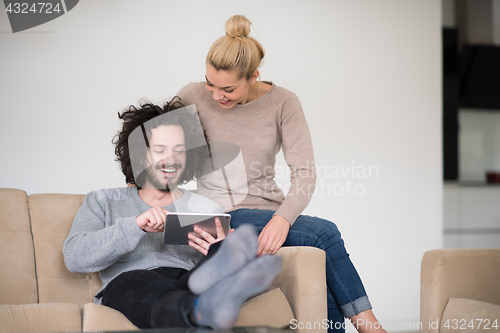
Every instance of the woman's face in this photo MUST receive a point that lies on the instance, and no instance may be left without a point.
(226, 88)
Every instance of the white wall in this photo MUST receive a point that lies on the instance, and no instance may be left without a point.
(367, 73)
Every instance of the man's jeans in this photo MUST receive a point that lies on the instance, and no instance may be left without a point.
(345, 291)
(154, 298)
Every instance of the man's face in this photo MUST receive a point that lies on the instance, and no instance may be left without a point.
(166, 157)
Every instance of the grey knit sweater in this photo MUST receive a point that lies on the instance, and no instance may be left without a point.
(105, 238)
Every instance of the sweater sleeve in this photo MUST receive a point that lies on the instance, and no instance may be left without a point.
(299, 155)
(94, 243)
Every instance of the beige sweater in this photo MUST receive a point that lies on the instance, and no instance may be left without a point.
(244, 141)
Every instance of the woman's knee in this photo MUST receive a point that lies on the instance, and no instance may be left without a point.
(320, 231)
(257, 217)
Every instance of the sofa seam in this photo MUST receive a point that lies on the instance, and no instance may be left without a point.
(34, 250)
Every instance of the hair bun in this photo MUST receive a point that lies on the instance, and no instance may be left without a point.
(238, 26)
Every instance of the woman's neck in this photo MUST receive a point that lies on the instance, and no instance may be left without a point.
(258, 90)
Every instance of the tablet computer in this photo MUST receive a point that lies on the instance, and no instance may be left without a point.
(179, 225)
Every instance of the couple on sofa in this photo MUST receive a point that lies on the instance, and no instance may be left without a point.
(116, 231)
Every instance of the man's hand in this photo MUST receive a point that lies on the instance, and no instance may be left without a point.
(202, 244)
(152, 220)
(273, 235)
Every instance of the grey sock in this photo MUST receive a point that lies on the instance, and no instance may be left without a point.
(219, 307)
(237, 249)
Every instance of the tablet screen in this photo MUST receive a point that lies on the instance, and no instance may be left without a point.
(179, 225)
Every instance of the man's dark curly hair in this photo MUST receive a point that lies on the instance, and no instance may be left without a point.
(133, 118)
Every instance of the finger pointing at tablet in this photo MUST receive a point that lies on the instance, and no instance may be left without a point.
(152, 220)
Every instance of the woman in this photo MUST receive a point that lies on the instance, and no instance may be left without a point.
(260, 118)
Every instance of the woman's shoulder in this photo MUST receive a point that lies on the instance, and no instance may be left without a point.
(193, 88)
(191, 92)
(195, 85)
(281, 92)
(283, 98)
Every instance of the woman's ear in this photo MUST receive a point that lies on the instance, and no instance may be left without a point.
(254, 76)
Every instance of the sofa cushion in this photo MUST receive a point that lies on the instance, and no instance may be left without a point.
(468, 315)
(52, 216)
(268, 309)
(17, 261)
(102, 318)
(40, 318)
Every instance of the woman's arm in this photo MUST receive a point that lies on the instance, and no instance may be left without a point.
(299, 155)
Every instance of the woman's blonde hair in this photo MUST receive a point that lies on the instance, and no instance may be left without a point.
(236, 50)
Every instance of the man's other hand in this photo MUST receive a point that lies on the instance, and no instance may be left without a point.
(202, 244)
(152, 220)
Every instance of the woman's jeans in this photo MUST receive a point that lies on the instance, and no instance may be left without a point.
(345, 292)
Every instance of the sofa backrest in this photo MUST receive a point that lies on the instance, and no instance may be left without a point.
(17, 263)
(51, 219)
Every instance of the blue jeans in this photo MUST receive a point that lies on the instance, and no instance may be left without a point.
(346, 295)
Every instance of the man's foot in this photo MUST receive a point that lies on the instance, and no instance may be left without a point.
(236, 251)
(219, 307)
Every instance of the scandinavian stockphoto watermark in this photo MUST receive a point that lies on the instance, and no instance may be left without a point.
(451, 324)
(28, 14)
(333, 180)
(346, 325)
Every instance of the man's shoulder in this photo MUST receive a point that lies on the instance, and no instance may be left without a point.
(111, 194)
(197, 203)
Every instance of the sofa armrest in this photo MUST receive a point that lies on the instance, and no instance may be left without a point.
(459, 273)
(17, 259)
(303, 281)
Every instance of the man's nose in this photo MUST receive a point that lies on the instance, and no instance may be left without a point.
(169, 159)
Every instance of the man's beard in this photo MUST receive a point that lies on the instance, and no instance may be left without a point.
(162, 184)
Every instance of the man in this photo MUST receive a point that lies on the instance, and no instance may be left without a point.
(117, 232)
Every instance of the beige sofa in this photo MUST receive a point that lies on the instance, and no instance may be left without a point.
(460, 291)
(38, 293)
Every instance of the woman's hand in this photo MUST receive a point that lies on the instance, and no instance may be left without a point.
(202, 244)
(273, 235)
(152, 220)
